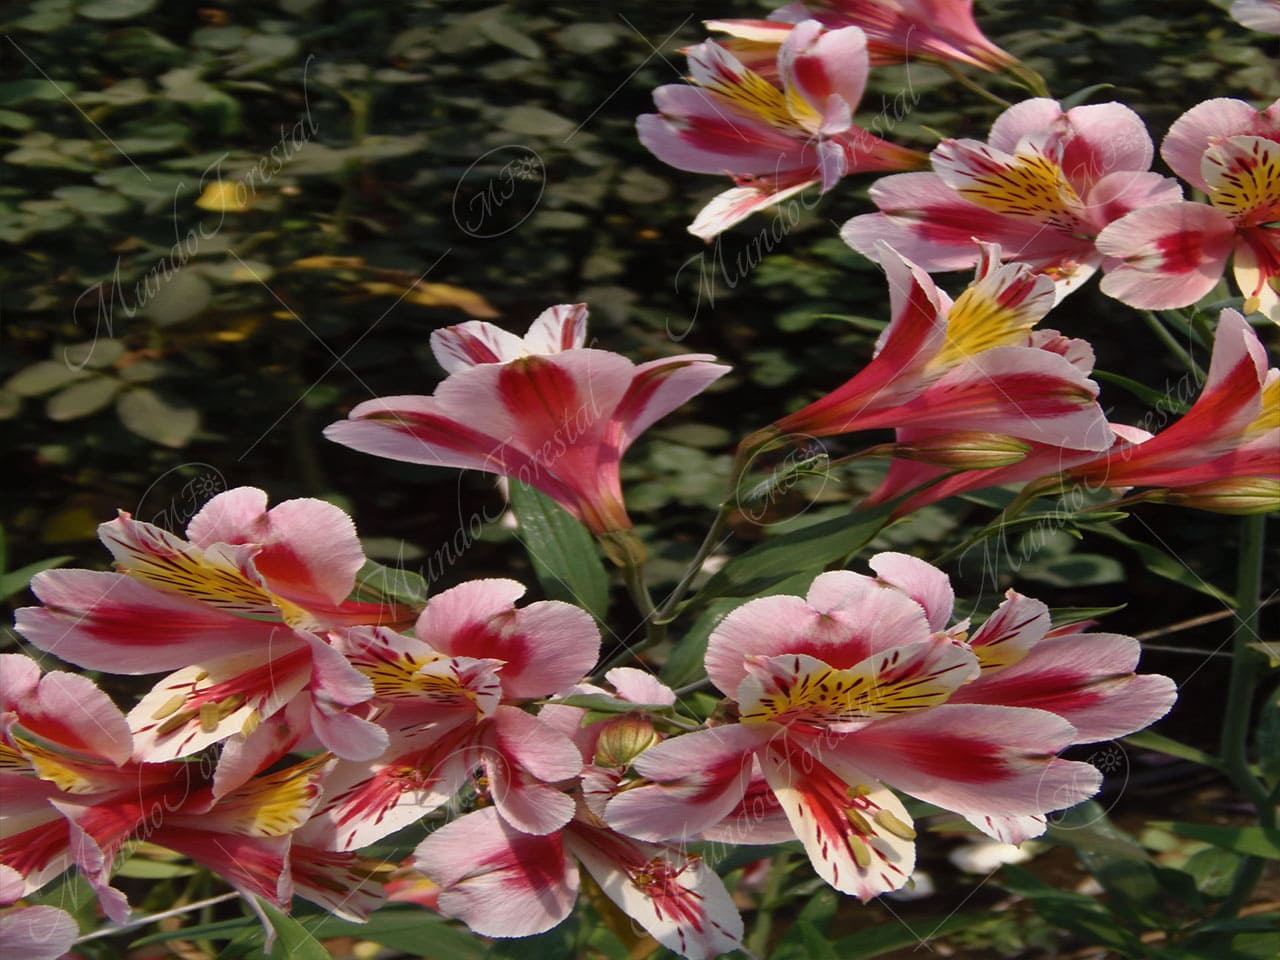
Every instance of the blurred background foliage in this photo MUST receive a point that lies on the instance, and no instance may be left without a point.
(226, 224)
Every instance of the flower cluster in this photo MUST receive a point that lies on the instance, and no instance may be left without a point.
(859, 685)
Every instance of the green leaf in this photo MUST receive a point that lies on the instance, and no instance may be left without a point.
(179, 296)
(1075, 570)
(376, 582)
(408, 929)
(44, 376)
(83, 398)
(1252, 841)
(563, 553)
(146, 413)
(804, 941)
(1163, 565)
(1082, 95)
(806, 550)
(94, 354)
(293, 940)
(90, 200)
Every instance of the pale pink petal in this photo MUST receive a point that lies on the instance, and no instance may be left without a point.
(11, 883)
(697, 780)
(1086, 678)
(1031, 116)
(257, 866)
(927, 222)
(757, 819)
(110, 621)
(854, 852)
(419, 430)
(365, 802)
(345, 884)
(559, 328)
(640, 686)
(308, 547)
(1104, 138)
(498, 881)
(1256, 267)
(1009, 829)
(846, 618)
(521, 755)
(1124, 191)
(737, 203)
(545, 646)
(799, 690)
(675, 896)
(658, 387)
(208, 702)
(37, 933)
(974, 758)
(1031, 394)
(67, 710)
(1260, 15)
(1010, 633)
(1219, 118)
(474, 342)
(228, 518)
(1029, 183)
(819, 64)
(703, 132)
(922, 582)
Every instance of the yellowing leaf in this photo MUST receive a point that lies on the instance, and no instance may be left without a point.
(435, 295)
(328, 263)
(224, 197)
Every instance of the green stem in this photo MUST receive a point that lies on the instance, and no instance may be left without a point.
(1146, 740)
(1246, 667)
(981, 91)
(758, 942)
(113, 929)
(1171, 342)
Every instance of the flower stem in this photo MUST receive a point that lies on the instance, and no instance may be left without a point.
(981, 91)
(1246, 667)
(758, 942)
(1168, 339)
(111, 931)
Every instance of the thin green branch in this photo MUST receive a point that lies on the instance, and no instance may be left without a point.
(1246, 670)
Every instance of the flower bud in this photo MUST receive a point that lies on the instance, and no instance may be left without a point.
(1238, 495)
(623, 739)
(965, 450)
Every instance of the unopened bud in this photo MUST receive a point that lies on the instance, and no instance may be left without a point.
(965, 450)
(623, 739)
(1240, 495)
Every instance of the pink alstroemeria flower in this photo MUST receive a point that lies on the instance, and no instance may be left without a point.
(543, 410)
(447, 696)
(504, 883)
(977, 459)
(1043, 186)
(240, 608)
(71, 794)
(774, 139)
(1172, 254)
(1231, 431)
(838, 693)
(897, 31)
(971, 364)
